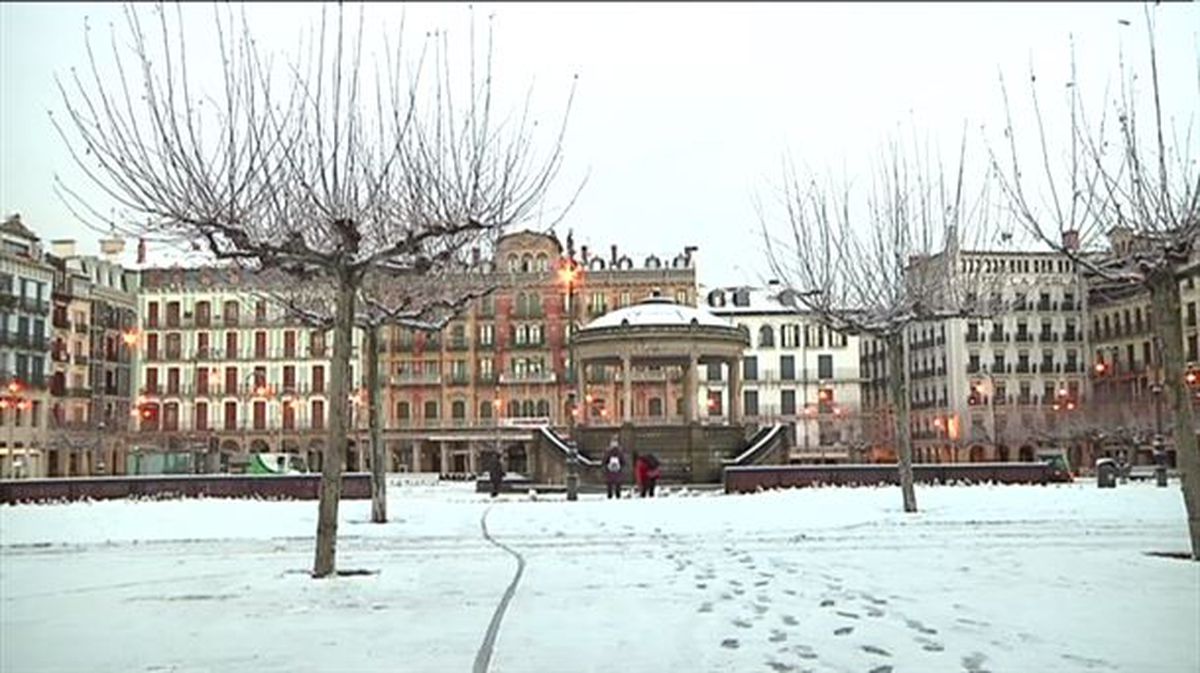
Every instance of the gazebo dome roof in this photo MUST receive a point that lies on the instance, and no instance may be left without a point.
(658, 312)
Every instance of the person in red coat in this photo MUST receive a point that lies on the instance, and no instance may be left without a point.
(641, 472)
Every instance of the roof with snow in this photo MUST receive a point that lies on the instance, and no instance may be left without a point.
(657, 312)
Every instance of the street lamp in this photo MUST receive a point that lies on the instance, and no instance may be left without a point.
(13, 398)
(570, 273)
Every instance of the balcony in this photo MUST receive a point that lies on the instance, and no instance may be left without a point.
(459, 379)
(1023, 368)
(528, 377)
(1047, 337)
(974, 337)
(1045, 305)
(79, 392)
(32, 305)
(24, 341)
(529, 345)
(1023, 337)
(81, 328)
(485, 378)
(417, 380)
(1071, 336)
(998, 337)
(81, 359)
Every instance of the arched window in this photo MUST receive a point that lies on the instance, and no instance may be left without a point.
(766, 337)
(458, 409)
(543, 262)
(526, 263)
(527, 409)
(522, 304)
(485, 408)
(543, 408)
(514, 408)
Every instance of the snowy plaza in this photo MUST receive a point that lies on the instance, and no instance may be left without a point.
(1003, 578)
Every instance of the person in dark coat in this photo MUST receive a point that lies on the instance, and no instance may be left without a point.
(496, 473)
(613, 465)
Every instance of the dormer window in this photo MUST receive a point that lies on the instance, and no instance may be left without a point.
(741, 297)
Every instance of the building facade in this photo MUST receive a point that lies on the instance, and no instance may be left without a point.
(222, 370)
(503, 365)
(26, 286)
(796, 371)
(997, 388)
(93, 315)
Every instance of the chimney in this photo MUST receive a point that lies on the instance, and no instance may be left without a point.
(62, 248)
(112, 248)
(141, 251)
(475, 256)
(583, 254)
(1070, 239)
(774, 282)
(614, 255)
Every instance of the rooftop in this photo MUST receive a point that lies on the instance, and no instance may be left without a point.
(657, 312)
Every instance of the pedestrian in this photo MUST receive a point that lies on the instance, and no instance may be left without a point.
(614, 465)
(640, 471)
(653, 472)
(496, 473)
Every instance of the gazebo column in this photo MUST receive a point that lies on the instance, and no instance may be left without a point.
(627, 388)
(690, 391)
(581, 406)
(735, 390)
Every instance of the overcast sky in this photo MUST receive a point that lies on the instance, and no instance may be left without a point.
(683, 111)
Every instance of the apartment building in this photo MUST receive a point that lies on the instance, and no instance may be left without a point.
(26, 285)
(94, 308)
(223, 370)
(993, 388)
(796, 371)
(1126, 364)
(503, 365)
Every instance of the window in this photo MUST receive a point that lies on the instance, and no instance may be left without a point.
(487, 335)
(824, 366)
(318, 415)
(231, 345)
(485, 408)
(260, 345)
(260, 415)
(289, 416)
(173, 381)
(458, 409)
(230, 313)
(787, 367)
(203, 314)
(289, 344)
(318, 379)
(655, 407)
(231, 381)
(260, 311)
(750, 368)
(172, 314)
(289, 377)
(152, 314)
(766, 337)
(431, 409)
(201, 416)
(202, 345)
(787, 402)
(403, 411)
(750, 402)
(789, 336)
(713, 371)
(231, 416)
(202, 380)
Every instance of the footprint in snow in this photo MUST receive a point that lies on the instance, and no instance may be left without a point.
(973, 662)
(777, 636)
(871, 649)
(730, 643)
(780, 667)
(741, 623)
(843, 631)
(849, 615)
(827, 602)
(790, 620)
(706, 606)
(887, 668)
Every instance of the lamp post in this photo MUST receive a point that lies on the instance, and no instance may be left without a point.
(1160, 451)
(12, 398)
(570, 274)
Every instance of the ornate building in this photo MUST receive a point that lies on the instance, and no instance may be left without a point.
(503, 365)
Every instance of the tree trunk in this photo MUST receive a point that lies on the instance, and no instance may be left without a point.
(374, 419)
(335, 445)
(1165, 301)
(898, 388)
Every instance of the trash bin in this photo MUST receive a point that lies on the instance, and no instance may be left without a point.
(1106, 473)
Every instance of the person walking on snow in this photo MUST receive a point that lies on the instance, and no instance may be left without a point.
(653, 472)
(613, 465)
(496, 473)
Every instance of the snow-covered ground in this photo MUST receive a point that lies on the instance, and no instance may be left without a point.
(1004, 578)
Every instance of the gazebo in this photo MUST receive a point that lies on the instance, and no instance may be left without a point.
(657, 332)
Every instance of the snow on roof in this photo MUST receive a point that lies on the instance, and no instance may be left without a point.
(657, 312)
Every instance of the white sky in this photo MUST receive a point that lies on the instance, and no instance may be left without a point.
(683, 111)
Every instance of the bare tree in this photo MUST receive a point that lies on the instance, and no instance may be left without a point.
(881, 272)
(421, 302)
(1123, 200)
(302, 169)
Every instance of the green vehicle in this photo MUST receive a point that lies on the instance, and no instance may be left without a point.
(276, 463)
(1060, 468)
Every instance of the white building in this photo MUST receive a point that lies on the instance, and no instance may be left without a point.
(26, 283)
(796, 371)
